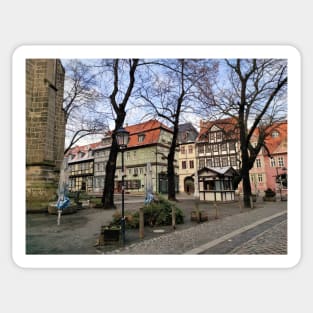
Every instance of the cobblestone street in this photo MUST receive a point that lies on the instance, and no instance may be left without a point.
(271, 241)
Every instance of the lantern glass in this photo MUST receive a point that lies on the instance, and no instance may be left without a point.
(122, 137)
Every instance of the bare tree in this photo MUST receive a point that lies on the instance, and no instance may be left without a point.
(254, 93)
(123, 83)
(81, 99)
(172, 92)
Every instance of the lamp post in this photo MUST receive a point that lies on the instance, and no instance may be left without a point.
(279, 178)
(122, 138)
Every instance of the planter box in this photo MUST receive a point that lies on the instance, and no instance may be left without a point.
(110, 233)
(273, 199)
(203, 216)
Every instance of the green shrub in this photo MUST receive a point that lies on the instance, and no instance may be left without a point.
(131, 219)
(158, 213)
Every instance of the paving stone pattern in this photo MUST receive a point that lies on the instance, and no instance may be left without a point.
(271, 241)
(78, 233)
(179, 242)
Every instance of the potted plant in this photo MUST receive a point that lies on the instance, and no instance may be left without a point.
(111, 232)
(270, 195)
(199, 216)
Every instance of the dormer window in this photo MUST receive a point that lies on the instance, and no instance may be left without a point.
(141, 138)
(275, 134)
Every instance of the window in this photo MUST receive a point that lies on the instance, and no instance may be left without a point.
(252, 179)
(182, 150)
(217, 162)
(224, 161)
(183, 165)
(258, 163)
(215, 148)
(140, 170)
(129, 171)
(218, 136)
(232, 146)
(191, 164)
(141, 138)
(233, 161)
(280, 161)
(260, 178)
(223, 147)
(201, 163)
(135, 171)
(201, 148)
(134, 155)
(190, 149)
(209, 162)
(272, 162)
(208, 149)
(127, 155)
(275, 134)
(212, 137)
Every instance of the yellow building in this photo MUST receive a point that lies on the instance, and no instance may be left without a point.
(187, 157)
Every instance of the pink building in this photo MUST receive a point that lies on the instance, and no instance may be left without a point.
(271, 164)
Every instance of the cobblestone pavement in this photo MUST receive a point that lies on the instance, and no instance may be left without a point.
(78, 233)
(184, 241)
(271, 241)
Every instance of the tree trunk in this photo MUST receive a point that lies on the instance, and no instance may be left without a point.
(171, 177)
(108, 191)
(170, 166)
(246, 186)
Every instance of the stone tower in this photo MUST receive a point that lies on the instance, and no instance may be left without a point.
(45, 130)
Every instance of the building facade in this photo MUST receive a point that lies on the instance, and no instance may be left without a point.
(101, 157)
(45, 131)
(271, 164)
(145, 160)
(218, 144)
(187, 135)
(81, 168)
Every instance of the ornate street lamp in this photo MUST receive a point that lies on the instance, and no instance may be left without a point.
(122, 138)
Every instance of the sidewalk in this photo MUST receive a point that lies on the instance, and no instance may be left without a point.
(78, 233)
(197, 239)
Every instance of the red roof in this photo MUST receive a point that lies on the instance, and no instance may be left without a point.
(228, 125)
(84, 148)
(277, 144)
(150, 130)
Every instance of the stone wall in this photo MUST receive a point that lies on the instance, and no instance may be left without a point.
(45, 130)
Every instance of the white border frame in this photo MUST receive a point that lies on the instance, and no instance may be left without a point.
(156, 261)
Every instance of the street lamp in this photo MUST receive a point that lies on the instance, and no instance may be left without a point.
(279, 179)
(122, 138)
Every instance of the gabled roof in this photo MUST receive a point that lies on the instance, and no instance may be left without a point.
(275, 144)
(219, 171)
(150, 130)
(227, 125)
(74, 152)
